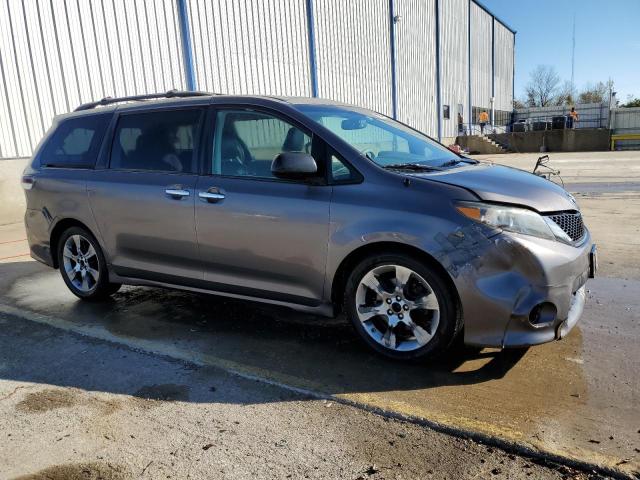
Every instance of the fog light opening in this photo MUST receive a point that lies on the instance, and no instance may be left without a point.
(543, 314)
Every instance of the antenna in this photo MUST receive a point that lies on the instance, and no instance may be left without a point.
(573, 52)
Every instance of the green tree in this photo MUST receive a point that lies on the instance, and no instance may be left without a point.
(632, 102)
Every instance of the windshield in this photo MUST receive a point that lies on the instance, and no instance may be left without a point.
(388, 143)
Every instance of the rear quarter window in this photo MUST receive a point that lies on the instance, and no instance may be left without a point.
(75, 142)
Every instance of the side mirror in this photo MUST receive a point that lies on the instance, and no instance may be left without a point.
(294, 166)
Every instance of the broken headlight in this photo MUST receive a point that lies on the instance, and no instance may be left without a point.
(512, 219)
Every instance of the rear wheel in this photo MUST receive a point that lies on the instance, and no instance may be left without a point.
(400, 307)
(82, 265)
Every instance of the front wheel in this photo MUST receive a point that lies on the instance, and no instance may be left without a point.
(400, 307)
(82, 265)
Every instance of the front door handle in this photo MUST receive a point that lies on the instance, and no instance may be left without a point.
(176, 193)
(212, 195)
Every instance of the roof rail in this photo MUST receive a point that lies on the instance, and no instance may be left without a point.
(149, 96)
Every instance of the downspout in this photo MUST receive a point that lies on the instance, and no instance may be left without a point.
(392, 38)
(469, 65)
(313, 66)
(493, 71)
(438, 82)
(187, 51)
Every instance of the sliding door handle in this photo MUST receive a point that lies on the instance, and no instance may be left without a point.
(176, 193)
(211, 197)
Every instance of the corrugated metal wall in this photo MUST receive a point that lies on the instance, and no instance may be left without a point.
(454, 58)
(416, 64)
(57, 54)
(481, 57)
(244, 46)
(504, 54)
(353, 52)
(625, 120)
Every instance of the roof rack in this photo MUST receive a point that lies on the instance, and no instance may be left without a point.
(135, 98)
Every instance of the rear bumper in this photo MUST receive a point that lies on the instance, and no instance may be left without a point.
(519, 273)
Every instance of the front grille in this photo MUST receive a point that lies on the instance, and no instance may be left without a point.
(571, 224)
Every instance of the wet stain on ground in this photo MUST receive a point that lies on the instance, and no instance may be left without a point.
(79, 471)
(168, 392)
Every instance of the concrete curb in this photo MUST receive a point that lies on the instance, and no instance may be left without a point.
(254, 374)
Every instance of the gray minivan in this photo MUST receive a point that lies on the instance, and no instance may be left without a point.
(311, 204)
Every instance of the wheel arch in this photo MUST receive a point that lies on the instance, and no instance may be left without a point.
(56, 233)
(356, 256)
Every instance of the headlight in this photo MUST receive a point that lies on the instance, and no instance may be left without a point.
(512, 219)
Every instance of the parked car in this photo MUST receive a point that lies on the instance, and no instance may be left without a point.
(311, 204)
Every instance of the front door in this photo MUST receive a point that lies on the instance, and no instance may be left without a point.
(259, 235)
(143, 201)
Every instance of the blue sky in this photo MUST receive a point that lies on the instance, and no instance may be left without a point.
(607, 39)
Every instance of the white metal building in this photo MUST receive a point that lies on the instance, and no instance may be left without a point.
(421, 61)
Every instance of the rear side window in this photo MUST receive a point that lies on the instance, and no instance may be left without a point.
(75, 142)
(161, 141)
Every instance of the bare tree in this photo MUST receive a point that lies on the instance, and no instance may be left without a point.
(595, 93)
(566, 94)
(542, 89)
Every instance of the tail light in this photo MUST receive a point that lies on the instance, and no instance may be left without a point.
(27, 182)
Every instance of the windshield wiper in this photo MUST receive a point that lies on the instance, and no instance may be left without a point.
(417, 167)
(453, 163)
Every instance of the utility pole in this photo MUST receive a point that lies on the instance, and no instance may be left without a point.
(573, 54)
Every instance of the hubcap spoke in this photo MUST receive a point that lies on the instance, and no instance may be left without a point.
(76, 241)
(367, 313)
(85, 280)
(373, 283)
(422, 336)
(389, 338)
(68, 253)
(428, 302)
(94, 274)
(90, 252)
(402, 276)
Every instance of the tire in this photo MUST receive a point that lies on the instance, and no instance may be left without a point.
(85, 273)
(402, 320)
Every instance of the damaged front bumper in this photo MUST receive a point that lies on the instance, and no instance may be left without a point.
(524, 290)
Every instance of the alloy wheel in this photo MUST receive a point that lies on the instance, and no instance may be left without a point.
(397, 308)
(80, 263)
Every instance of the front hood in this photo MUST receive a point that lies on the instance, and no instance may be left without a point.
(497, 183)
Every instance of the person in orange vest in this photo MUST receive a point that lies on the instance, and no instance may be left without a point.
(484, 119)
(572, 118)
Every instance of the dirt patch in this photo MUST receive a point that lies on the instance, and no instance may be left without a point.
(45, 400)
(166, 392)
(52, 399)
(80, 471)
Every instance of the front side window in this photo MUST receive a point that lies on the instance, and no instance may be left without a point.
(160, 141)
(75, 142)
(381, 139)
(246, 142)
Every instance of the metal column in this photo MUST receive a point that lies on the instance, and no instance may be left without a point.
(313, 66)
(187, 49)
(392, 35)
(438, 82)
